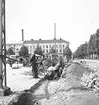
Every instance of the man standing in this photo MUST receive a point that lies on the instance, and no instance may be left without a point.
(33, 60)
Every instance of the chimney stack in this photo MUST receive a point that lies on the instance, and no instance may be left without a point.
(55, 35)
(54, 30)
(22, 35)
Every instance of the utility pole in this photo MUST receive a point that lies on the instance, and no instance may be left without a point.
(3, 84)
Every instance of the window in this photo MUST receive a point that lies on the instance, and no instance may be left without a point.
(50, 46)
(60, 45)
(60, 51)
(34, 46)
(46, 51)
(46, 46)
(57, 50)
(43, 46)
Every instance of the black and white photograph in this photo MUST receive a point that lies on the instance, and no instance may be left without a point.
(49, 52)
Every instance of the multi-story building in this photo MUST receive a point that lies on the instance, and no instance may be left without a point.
(46, 45)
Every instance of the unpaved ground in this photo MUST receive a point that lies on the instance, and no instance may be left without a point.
(66, 91)
(18, 80)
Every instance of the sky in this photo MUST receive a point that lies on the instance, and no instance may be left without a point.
(75, 20)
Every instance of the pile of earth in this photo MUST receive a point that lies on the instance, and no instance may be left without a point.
(68, 90)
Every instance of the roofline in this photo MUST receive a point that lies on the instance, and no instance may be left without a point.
(40, 41)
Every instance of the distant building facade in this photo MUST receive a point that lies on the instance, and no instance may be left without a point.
(46, 45)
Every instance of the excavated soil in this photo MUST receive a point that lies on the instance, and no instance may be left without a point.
(66, 91)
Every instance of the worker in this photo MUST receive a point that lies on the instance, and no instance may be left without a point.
(33, 60)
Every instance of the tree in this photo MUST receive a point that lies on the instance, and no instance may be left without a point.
(97, 32)
(10, 52)
(23, 51)
(39, 50)
(90, 49)
(85, 49)
(93, 46)
(82, 51)
(52, 50)
(67, 52)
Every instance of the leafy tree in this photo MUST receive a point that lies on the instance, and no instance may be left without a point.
(78, 53)
(90, 45)
(52, 50)
(67, 52)
(24, 51)
(93, 47)
(10, 51)
(85, 49)
(89, 49)
(81, 51)
(39, 50)
(97, 32)
(97, 42)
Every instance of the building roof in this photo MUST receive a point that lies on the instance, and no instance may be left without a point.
(44, 41)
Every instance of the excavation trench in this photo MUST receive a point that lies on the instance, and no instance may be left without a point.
(69, 81)
(32, 96)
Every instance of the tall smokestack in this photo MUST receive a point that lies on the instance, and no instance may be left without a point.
(55, 36)
(54, 30)
(22, 35)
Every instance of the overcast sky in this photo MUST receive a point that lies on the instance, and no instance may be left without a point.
(75, 20)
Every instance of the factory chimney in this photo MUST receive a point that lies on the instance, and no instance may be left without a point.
(55, 31)
(55, 36)
(22, 35)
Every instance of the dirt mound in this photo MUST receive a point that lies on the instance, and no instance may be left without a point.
(75, 69)
(71, 78)
(65, 91)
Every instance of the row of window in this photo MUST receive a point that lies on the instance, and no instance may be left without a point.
(43, 46)
(47, 51)
(47, 46)
(58, 51)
